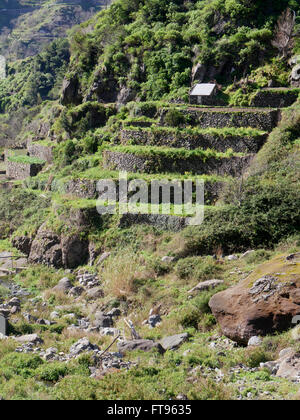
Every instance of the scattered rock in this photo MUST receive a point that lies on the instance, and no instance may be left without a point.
(81, 346)
(33, 339)
(15, 303)
(51, 354)
(254, 341)
(154, 320)
(109, 331)
(287, 366)
(206, 285)
(103, 320)
(88, 280)
(114, 313)
(247, 253)
(54, 315)
(64, 286)
(174, 341)
(167, 259)
(95, 293)
(144, 345)
(232, 258)
(295, 333)
(76, 291)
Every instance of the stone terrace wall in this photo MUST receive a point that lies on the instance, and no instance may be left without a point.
(275, 98)
(41, 152)
(265, 120)
(161, 221)
(232, 166)
(182, 139)
(20, 171)
(85, 188)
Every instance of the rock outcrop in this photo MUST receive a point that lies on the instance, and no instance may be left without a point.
(46, 249)
(58, 251)
(70, 92)
(295, 76)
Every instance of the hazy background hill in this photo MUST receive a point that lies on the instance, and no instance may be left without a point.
(26, 26)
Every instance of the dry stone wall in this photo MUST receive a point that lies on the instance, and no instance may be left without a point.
(87, 189)
(231, 166)
(41, 152)
(239, 144)
(20, 171)
(264, 120)
(274, 98)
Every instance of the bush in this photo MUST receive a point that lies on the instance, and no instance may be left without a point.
(174, 118)
(52, 372)
(197, 268)
(23, 365)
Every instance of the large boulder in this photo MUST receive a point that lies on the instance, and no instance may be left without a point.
(264, 303)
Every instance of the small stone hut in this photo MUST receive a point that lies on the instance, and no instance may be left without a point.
(203, 94)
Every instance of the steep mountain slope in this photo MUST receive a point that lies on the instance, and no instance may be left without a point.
(146, 50)
(27, 28)
(82, 281)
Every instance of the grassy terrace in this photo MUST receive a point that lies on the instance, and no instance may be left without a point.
(26, 160)
(172, 153)
(69, 203)
(99, 173)
(247, 132)
(72, 203)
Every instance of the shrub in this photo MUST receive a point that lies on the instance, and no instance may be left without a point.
(174, 118)
(52, 372)
(197, 268)
(19, 364)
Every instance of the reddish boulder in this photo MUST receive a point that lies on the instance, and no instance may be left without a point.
(260, 304)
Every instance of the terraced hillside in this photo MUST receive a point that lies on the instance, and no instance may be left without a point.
(213, 144)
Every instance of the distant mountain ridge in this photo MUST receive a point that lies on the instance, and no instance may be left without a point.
(26, 26)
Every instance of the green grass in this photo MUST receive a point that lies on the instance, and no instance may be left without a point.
(168, 152)
(26, 160)
(214, 132)
(98, 173)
